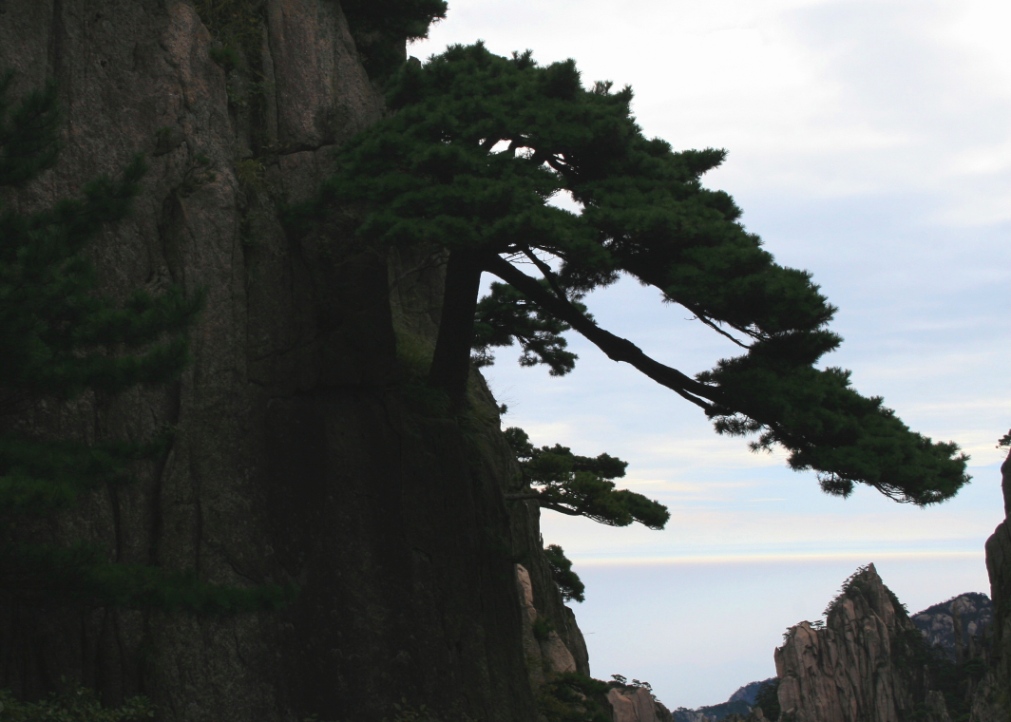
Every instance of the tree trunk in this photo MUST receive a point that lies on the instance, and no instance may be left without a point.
(451, 362)
(616, 347)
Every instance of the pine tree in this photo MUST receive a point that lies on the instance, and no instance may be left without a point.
(60, 338)
(476, 147)
(569, 583)
(581, 485)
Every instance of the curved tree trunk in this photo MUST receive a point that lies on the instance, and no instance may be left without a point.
(616, 347)
(451, 362)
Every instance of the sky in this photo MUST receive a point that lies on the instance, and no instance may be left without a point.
(869, 143)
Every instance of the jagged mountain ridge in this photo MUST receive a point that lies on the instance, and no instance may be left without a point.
(971, 612)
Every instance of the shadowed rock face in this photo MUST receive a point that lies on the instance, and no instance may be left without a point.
(854, 669)
(296, 459)
(992, 702)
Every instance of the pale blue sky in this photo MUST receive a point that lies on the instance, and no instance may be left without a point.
(869, 143)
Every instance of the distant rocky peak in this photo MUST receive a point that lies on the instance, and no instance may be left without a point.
(859, 666)
(865, 588)
(956, 625)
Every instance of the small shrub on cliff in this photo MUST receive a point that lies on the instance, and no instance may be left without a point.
(237, 26)
(568, 581)
(542, 629)
(574, 697)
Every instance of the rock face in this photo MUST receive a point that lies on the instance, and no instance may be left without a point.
(957, 626)
(298, 457)
(992, 702)
(860, 667)
(546, 653)
(636, 704)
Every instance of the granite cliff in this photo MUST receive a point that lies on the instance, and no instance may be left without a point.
(958, 626)
(633, 703)
(992, 701)
(869, 661)
(301, 454)
(864, 663)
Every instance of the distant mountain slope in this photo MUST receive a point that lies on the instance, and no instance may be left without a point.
(749, 692)
(739, 703)
(971, 613)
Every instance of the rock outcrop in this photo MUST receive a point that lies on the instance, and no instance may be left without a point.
(958, 626)
(862, 666)
(546, 653)
(636, 704)
(299, 455)
(992, 702)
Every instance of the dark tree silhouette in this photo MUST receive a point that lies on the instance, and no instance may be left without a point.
(580, 485)
(476, 147)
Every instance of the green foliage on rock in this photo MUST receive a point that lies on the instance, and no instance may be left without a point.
(62, 340)
(237, 27)
(73, 705)
(542, 629)
(381, 27)
(476, 147)
(856, 586)
(581, 485)
(573, 697)
(569, 583)
(767, 700)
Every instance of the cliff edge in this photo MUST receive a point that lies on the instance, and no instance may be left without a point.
(992, 702)
(301, 453)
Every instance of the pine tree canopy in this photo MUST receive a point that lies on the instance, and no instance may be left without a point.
(569, 583)
(581, 485)
(474, 149)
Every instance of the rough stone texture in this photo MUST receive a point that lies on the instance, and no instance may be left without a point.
(296, 458)
(636, 704)
(545, 652)
(528, 547)
(958, 625)
(992, 702)
(852, 670)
